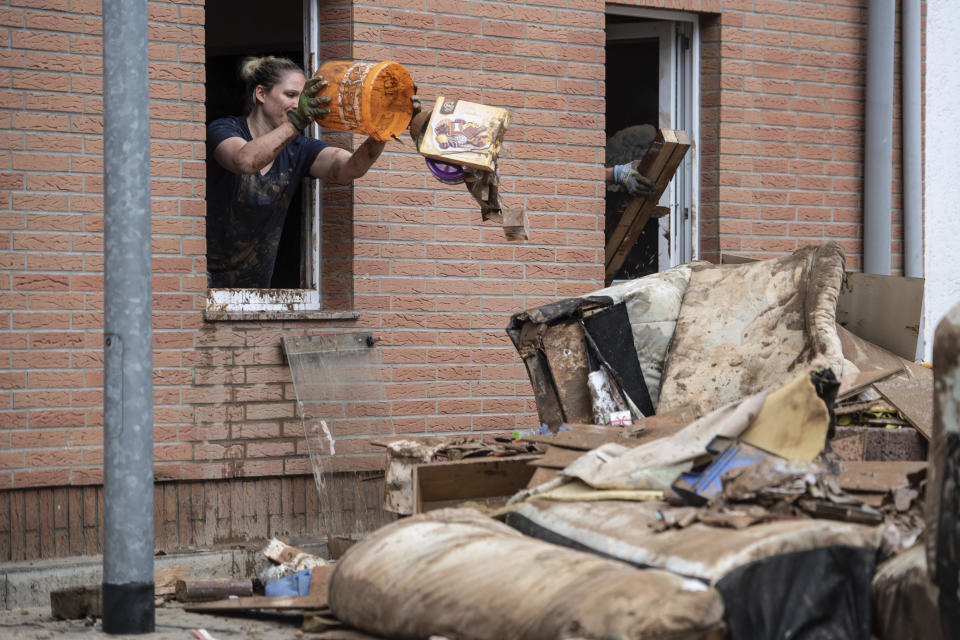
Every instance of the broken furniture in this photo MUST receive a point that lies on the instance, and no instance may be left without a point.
(776, 578)
(429, 472)
(703, 335)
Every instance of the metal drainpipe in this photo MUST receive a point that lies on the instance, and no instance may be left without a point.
(878, 145)
(912, 157)
(128, 357)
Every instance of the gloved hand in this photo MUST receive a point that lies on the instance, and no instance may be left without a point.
(310, 108)
(417, 107)
(628, 178)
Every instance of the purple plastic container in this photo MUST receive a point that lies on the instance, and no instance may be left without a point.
(446, 173)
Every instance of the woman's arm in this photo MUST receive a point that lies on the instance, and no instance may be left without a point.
(339, 166)
(245, 157)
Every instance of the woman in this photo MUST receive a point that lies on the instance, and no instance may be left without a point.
(260, 159)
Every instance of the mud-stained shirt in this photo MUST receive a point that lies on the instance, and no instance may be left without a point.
(245, 213)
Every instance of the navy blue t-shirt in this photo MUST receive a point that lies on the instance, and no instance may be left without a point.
(245, 213)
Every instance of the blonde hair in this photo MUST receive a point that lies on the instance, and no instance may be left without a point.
(266, 71)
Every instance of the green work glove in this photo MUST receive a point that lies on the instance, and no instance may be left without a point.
(310, 108)
(629, 179)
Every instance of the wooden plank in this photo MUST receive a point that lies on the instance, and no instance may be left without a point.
(581, 436)
(259, 602)
(165, 579)
(639, 210)
(858, 407)
(659, 164)
(854, 384)
(863, 353)
(914, 398)
(541, 475)
(650, 166)
(566, 350)
(658, 426)
(470, 478)
(882, 309)
(731, 258)
(873, 476)
(320, 581)
(557, 458)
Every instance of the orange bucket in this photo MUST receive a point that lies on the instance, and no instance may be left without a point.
(371, 98)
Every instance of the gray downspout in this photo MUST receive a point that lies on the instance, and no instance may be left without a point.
(912, 158)
(878, 144)
(128, 357)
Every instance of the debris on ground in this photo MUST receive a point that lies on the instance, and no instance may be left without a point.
(286, 560)
(203, 590)
(768, 480)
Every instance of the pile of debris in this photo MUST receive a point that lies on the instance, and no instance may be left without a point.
(706, 483)
(749, 469)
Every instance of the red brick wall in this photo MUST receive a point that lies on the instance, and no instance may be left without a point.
(783, 128)
(51, 239)
(782, 96)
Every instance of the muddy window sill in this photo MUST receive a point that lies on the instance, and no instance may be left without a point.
(256, 305)
(255, 316)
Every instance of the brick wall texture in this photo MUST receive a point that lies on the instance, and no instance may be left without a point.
(782, 109)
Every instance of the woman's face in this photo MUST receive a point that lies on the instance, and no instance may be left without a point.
(281, 98)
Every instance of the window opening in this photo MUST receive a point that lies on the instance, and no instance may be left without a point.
(651, 80)
(231, 35)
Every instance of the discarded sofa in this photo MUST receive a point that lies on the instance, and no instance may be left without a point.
(780, 572)
(459, 574)
(779, 579)
(702, 335)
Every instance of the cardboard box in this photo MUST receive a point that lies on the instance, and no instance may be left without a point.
(465, 133)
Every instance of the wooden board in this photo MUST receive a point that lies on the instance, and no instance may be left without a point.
(852, 385)
(557, 457)
(858, 407)
(659, 163)
(732, 258)
(316, 599)
(566, 352)
(658, 426)
(583, 436)
(165, 579)
(320, 582)
(260, 602)
(470, 479)
(914, 398)
(863, 353)
(882, 309)
(541, 475)
(874, 475)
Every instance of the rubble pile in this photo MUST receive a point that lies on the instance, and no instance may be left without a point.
(749, 469)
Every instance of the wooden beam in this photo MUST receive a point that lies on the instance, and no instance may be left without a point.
(659, 163)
